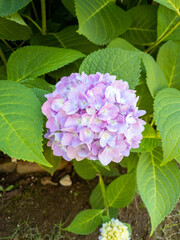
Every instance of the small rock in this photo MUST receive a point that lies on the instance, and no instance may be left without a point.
(65, 181)
(47, 180)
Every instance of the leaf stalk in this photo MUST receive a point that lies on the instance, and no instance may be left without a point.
(3, 57)
(43, 14)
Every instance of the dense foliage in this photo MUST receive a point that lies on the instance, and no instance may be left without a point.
(139, 42)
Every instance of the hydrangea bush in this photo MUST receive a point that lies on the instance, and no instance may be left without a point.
(93, 116)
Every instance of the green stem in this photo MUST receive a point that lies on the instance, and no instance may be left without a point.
(162, 38)
(3, 57)
(34, 10)
(7, 44)
(43, 13)
(101, 183)
(139, 2)
(30, 19)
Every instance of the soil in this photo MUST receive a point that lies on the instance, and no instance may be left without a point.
(37, 206)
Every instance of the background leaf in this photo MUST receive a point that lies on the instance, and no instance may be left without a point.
(149, 141)
(96, 199)
(122, 43)
(168, 60)
(115, 61)
(33, 61)
(52, 159)
(86, 168)
(120, 192)
(155, 77)
(85, 222)
(167, 19)
(167, 118)
(69, 5)
(144, 24)
(37, 83)
(171, 4)
(14, 28)
(8, 7)
(145, 101)
(66, 38)
(21, 123)
(130, 162)
(159, 187)
(101, 21)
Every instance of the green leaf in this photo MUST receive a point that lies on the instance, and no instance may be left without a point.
(167, 19)
(155, 77)
(9, 188)
(14, 28)
(145, 101)
(86, 168)
(171, 4)
(21, 123)
(96, 199)
(144, 24)
(115, 61)
(85, 222)
(37, 83)
(1, 189)
(69, 5)
(149, 141)
(101, 21)
(167, 118)
(66, 38)
(123, 44)
(53, 160)
(130, 162)
(33, 61)
(8, 7)
(168, 60)
(120, 192)
(159, 187)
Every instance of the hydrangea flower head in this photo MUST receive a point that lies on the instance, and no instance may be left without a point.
(93, 116)
(114, 230)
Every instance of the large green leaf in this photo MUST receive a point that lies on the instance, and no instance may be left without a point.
(155, 77)
(167, 118)
(169, 61)
(159, 187)
(21, 123)
(8, 7)
(14, 28)
(121, 191)
(144, 23)
(149, 141)
(115, 61)
(171, 4)
(101, 21)
(85, 222)
(33, 61)
(122, 43)
(66, 38)
(167, 19)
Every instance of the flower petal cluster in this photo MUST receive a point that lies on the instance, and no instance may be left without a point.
(93, 116)
(114, 230)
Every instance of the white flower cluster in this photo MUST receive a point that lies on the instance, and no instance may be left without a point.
(114, 230)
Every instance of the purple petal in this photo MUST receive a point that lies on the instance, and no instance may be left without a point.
(86, 135)
(108, 112)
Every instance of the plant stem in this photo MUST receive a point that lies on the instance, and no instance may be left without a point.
(7, 44)
(43, 13)
(162, 38)
(3, 57)
(34, 9)
(139, 2)
(101, 183)
(32, 22)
